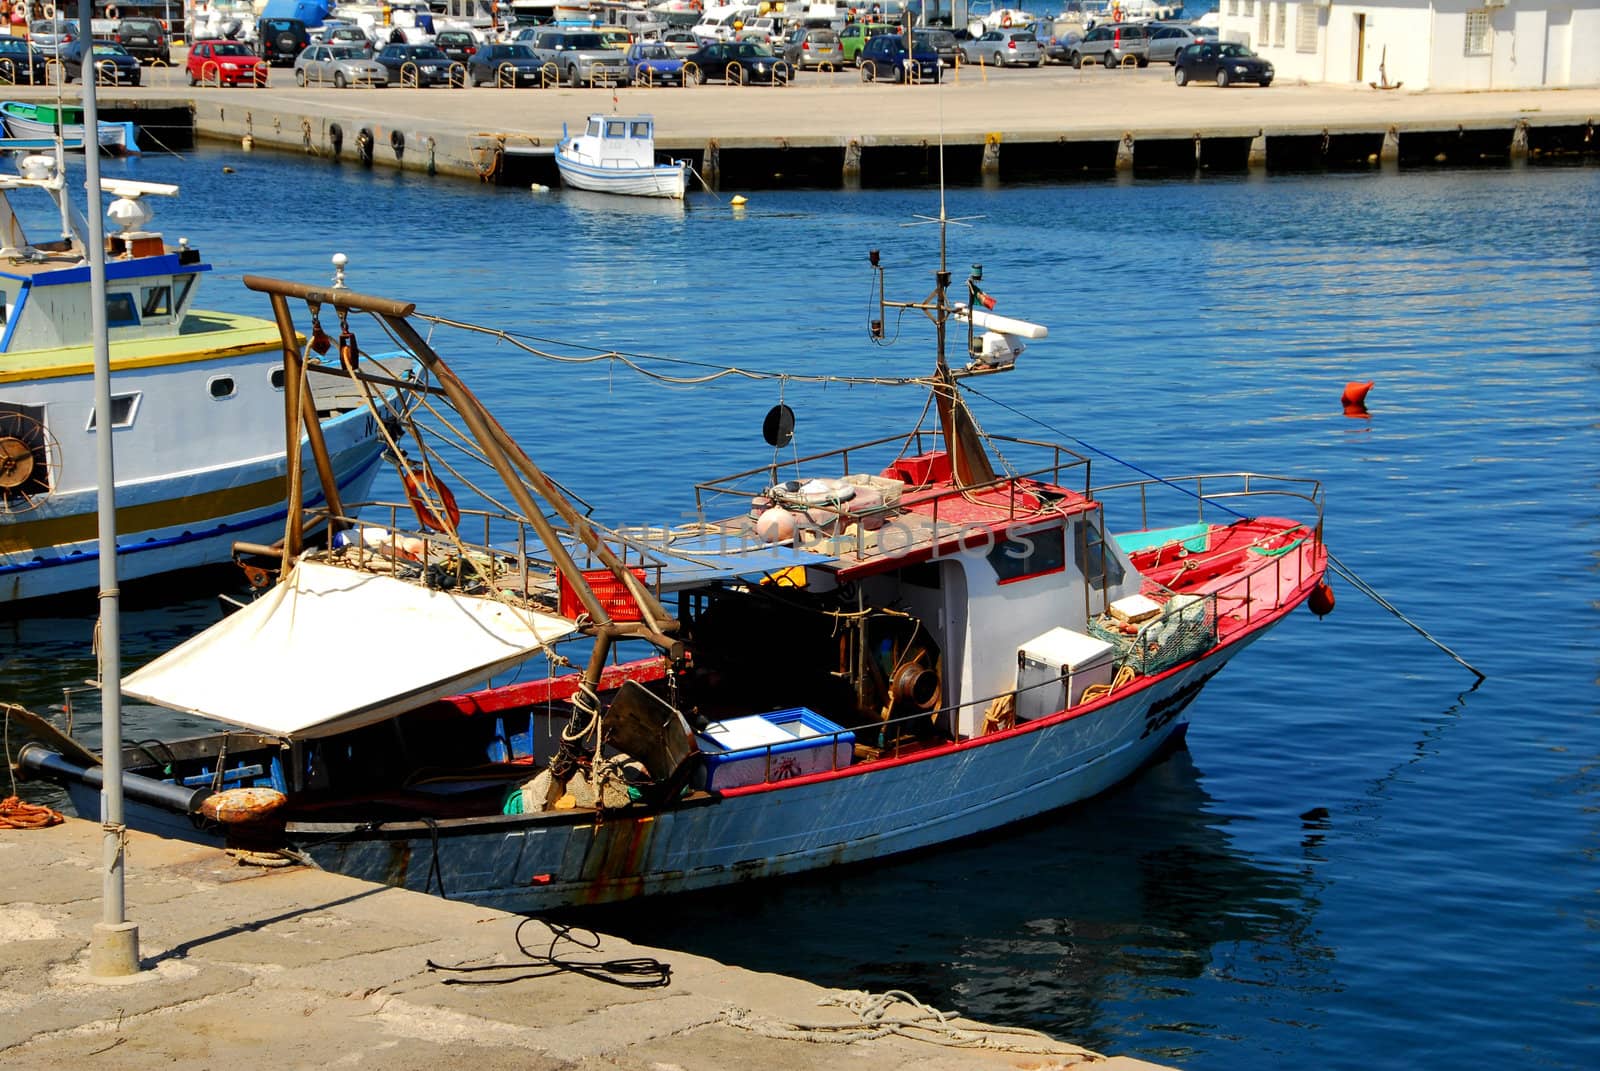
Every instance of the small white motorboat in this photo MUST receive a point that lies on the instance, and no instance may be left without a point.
(617, 154)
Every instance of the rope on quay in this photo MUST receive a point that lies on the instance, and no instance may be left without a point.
(15, 814)
(919, 1023)
(1372, 593)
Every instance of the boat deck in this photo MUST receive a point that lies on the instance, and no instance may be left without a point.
(205, 335)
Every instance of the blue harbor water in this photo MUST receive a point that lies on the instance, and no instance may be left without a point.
(1359, 860)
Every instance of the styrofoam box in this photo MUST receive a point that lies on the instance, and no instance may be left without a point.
(772, 747)
(1061, 654)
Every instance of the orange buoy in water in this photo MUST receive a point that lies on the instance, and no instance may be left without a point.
(1321, 601)
(1354, 399)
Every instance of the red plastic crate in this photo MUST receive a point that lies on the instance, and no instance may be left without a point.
(616, 599)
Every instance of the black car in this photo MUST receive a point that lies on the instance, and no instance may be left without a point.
(1226, 61)
(748, 62)
(144, 39)
(281, 40)
(486, 63)
(110, 60)
(885, 59)
(459, 45)
(20, 64)
(428, 66)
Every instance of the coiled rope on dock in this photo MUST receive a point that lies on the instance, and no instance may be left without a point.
(879, 1015)
(15, 814)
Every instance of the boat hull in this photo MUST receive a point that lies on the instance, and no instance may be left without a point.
(542, 862)
(114, 138)
(661, 180)
(174, 523)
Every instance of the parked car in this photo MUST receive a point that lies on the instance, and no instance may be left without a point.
(1004, 48)
(145, 39)
(1056, 37)
(943, 42)
(581, 56)
(350, 37)
(1226, 62)
(854, 37)
(885, 59)
(616, 37)
(228, 62)
(812, 47)
(343, 65)
(1168, 39)
(109, 62)
(682, 42)
(49, 35)
(1112, 43)
(459, 45)
(748, 61)
(652, 63)
(517, 57)
(281, 40)
(20, 64)
(432, 66)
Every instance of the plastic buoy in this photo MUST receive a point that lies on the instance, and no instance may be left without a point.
(539, 187)
(1321, 601)
(227, 171)
(1354, 399)
(738, 201)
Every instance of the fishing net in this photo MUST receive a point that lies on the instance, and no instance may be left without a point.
(1186, 628)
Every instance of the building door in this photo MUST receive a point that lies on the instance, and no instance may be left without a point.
(1558, 48)
(1361, 45)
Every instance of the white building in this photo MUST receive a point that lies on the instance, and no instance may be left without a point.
(1443, 44)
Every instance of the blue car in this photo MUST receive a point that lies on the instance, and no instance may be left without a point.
(653, 63)
(885, 59)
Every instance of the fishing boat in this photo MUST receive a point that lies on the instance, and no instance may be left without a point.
(617, 154)
(197, 403)
(45, 119)
(846, 656)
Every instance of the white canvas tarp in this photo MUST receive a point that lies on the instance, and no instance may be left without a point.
(331, 649)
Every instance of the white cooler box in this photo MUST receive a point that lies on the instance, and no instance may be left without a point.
(1060, 655)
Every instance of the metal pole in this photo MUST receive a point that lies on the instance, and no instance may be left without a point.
(114, 946)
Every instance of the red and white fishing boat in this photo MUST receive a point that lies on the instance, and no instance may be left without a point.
(851, 655)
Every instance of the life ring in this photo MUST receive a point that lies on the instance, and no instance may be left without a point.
(49, 11)
(423, 506)
(112, 12)
(1005, 21)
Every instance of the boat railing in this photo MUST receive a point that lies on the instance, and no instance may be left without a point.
(1026, 460)
(1282, 573)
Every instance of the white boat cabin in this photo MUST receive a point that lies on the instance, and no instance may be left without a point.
(617, 141)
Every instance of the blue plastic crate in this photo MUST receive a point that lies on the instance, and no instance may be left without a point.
(772, 747)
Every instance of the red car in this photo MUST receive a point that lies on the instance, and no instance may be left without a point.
(228, 62)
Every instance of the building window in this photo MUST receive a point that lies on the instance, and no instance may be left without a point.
(1264, 34)
(1282, 26)
(1249, 8)
(1305, 28)
(1233, 7)
(1478, 33)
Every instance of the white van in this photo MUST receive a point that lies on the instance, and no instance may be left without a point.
(718, 22)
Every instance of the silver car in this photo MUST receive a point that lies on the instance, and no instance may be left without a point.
(1004, 48)
(1111, 43)
(343, 65)
(811, 48)
(581, 57)
(1168, 39)
(49, 35)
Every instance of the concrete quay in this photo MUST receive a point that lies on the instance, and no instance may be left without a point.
(832, 130)
(296, 968)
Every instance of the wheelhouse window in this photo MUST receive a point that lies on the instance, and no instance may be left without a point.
(1023, 556)
(185, 286)
(121, 311)
(641, 129)
(594, 128)
(155, 301)
(616, 128)
(1101, 569)
(1477, 42)
(123, 409)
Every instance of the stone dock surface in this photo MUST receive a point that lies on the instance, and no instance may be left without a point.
(294, 968)
(829, 127)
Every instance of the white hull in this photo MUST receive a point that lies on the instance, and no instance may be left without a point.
(113, 136)
(662, 180)
(540, 862)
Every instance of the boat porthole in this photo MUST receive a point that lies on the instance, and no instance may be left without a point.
(220, 386)
(277, 379)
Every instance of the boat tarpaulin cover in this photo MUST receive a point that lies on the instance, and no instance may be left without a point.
(331, 649)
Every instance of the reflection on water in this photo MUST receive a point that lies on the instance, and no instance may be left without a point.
(1065, 923)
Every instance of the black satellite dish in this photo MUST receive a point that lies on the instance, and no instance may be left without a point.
(778, 428)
